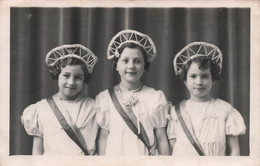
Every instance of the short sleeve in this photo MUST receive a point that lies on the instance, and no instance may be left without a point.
(171, 128)
(31, 122)
(235, 123)
(159, 109)
(102, 108)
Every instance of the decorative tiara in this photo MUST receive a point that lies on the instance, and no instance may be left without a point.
(75, 50)
(131, 36)
(197, 49)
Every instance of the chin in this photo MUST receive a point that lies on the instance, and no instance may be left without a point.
(71, 95)
(198, 95)
(133, 81)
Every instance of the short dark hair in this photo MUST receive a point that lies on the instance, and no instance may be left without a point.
(204, 63)
(56, 70)
(132, 45)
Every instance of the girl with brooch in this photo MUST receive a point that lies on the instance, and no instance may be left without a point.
(131, 115)
(203, 125)
(65, 124)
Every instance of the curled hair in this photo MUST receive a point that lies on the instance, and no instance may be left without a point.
(132, 45)
(56, 70)
(204, 63)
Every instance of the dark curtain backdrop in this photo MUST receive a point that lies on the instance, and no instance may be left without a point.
(35, 31)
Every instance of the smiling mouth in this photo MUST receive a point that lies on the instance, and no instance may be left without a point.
(131, 72)
(70, 88)
(199, 88)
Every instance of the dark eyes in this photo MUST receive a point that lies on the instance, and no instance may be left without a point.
(203, 76)
(66, 75)
(137, 61)
(125, 60)
(76, 77)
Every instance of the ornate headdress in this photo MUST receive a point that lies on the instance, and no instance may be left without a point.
(75, 50)
(197, 49)
(131, 36)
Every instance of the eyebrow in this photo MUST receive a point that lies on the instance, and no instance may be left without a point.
(205, 74)
(199, 74)
(79, 74)
(65, 72)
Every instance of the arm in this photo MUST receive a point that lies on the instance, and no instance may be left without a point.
(102, 141)
(162, 142)
(37, 146)
(233, 145)
(172, 142)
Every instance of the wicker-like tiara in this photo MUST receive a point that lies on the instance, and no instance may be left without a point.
(74, 50)
(197, 49)
(131, 36)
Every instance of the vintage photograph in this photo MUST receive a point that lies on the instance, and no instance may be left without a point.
(129, 80)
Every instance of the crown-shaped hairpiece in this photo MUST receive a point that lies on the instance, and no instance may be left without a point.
(197, 49)
(131, 36)
(75, 50)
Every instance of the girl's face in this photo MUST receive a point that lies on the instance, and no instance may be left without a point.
(70, 81)
(199, 83)
(130, 65)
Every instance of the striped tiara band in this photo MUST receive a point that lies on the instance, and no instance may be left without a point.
(131, 36)
(197, 49)
(74, 50)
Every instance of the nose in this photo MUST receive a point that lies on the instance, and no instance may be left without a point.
(71, 81)
(198, 81)
(131, 65)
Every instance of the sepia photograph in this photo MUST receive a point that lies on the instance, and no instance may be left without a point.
(130, 82)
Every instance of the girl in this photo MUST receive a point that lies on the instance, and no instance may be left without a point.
(65, 123)
(131, 115)
(201, 124)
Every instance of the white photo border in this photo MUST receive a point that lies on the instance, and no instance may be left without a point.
(252, 160)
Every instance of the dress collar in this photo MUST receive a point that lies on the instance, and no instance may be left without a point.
(79, 98)
(125, 90)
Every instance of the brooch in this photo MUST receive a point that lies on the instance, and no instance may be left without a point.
(129, 100)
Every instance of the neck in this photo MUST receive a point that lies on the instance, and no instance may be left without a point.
(201, 99)
(69, 98)
(131, 85)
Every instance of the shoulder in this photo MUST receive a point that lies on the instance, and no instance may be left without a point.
(89, 100)
(149, 91)
(36, 106)
(221, 104)
(102, 99)
(180, 104)
(173, 115)
(33, 111)
(88, 103)
(219, 108)
(152, 95)
(102, 93)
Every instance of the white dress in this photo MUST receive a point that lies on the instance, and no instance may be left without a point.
(150, 107)
(209, 122)
(39, 120)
